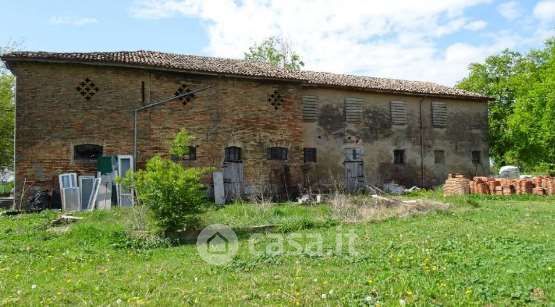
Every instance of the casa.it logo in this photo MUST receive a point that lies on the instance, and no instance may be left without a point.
(217, 244)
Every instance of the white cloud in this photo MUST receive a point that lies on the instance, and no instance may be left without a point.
(72, 21)
(476, 25)
(395, 38)
(545, 11)
(510, 10)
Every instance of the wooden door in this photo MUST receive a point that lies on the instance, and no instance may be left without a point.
(354, 176)
(233, 180)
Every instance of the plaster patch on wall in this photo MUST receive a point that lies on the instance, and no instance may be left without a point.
(331, 120)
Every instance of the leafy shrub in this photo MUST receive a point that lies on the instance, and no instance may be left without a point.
(173, 193)
(180, 145)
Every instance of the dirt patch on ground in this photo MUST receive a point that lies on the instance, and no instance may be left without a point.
(354, 209)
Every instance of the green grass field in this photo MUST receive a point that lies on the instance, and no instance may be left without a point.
(481, 251)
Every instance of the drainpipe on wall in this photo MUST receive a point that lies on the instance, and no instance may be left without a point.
(421, 145)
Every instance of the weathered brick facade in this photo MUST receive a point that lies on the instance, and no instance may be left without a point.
(52, 117)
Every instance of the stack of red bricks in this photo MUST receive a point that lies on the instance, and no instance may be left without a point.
(540, 185)
(456, 185)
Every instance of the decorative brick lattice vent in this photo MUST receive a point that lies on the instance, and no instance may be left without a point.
(183, 89)
(275, 99)
(87, 88)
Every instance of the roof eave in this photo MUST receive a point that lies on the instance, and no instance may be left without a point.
(403, 93)
(7, 60)
(10, 59)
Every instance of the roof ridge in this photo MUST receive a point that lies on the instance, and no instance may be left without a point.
(240, 67)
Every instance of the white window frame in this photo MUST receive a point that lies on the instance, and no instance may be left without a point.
(72, 183)
(94, 194)
(82, 201)
(119, 189)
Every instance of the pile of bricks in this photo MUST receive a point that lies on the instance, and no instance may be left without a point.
(456, 185)
(541, 185)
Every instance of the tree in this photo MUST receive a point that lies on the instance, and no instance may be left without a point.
(277, 52)
(7, 116)
(521, 118)
(532, 124)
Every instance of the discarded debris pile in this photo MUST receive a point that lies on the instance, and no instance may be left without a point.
(458, 185)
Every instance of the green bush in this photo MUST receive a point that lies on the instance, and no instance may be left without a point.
(6, 188)
(173, 193)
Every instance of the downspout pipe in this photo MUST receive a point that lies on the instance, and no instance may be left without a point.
(421, 144)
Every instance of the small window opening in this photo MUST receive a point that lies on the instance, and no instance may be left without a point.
(439, 157)
(353, 154)
(87, 152)
(310, 155)
(277, 153)
(399, 156)
(476, 157)
(143, 91)
(233, 154)
(191, 155)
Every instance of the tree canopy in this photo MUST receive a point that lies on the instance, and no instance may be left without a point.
(275, 51)
(522, 116)
(7, 117)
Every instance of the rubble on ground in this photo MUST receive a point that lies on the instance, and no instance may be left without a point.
(397, 189)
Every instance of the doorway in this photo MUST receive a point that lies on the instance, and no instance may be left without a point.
(354, 170)
(233, 173)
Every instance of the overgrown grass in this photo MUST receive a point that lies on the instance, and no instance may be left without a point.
(483, 251)
(6, 188)
(245, 214)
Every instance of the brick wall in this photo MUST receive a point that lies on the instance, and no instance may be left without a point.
(52, 116)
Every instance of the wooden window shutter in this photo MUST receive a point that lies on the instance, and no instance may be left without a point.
(398, 111)
(353, 110)
(310, 108)
(439, 114)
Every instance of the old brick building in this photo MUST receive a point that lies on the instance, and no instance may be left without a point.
(273, 129)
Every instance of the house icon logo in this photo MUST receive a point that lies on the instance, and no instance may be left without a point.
(217, 244)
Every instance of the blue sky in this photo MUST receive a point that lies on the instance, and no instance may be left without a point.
(432, 40)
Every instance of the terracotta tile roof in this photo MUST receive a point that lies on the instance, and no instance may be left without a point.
(257, 70)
